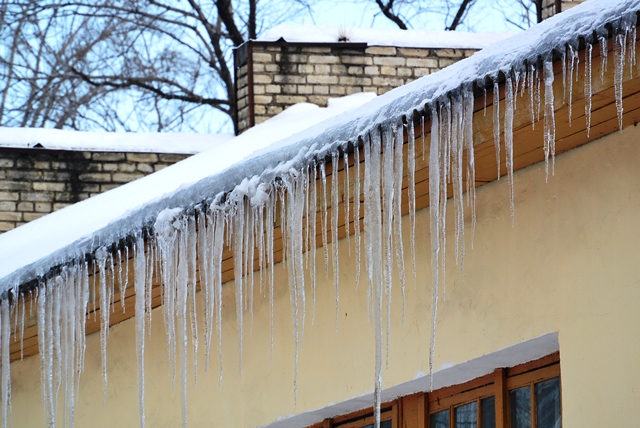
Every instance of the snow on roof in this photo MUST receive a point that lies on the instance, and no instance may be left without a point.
(383, 37)
(142, 142)
(47, 235)
(264, 153)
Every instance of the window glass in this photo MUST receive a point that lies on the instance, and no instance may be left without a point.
(488, 412)
(439, 420)
(548, 404)
(520, 403)
(467, 415)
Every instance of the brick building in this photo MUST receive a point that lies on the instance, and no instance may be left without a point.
(291, 64)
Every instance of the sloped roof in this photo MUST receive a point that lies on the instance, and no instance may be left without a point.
(26, 253)
(142, 142)
(383, 37)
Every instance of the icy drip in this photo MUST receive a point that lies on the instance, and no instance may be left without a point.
(573, 66)
(356, 213)
(530, 73)
(508, 139)
(398, 169)
(468, 99)
(388, 189)
(325, 246)
(604, 51)
(5, 335)
(373, 243)
(238, 239)
(411, 179)
(549, 118)
(295, 213)
(61, 340)
(496, 123)
(312, 213)
(345, 198)
(435, 174)
(139, 284)
(105, 300)
(335, 195)
(619, 47)
(588, 86)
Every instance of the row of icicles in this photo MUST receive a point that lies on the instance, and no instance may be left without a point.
(298, 200)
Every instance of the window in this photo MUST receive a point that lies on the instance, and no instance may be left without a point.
(524, 396)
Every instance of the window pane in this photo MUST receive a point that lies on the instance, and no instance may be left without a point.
(467, 415)
(439, 420)
(520, 403)
(548, 404)
(488, 412)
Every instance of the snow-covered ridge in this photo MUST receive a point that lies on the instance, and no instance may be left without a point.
(142, 142)
(383, 37)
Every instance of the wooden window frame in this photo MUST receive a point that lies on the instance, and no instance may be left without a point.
(414, 411)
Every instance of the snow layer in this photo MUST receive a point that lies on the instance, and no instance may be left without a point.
(383, 37)
(71, 231)
(142, 142)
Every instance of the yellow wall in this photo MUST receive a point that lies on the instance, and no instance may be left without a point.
(570, 265)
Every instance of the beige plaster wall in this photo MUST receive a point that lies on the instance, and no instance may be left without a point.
(570, 265)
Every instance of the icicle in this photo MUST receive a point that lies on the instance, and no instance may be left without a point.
(373, 245)
(324, 231)
(549, 117)
(356, 210)
(238, 229)
(139, 279)
(632, 49)
(218, 244)
(619, 47)
(508, 140)
(313, 200)
(205, 242)
(398, 170)
(270, 229)
(445, 159)
(468, 100)
(564, 74)
(587, 86)
(5, 333)
(182, 285)
(387, 218)
(435, 221)
(516, 82)
(334, 230)
(604, 52)
(192, 241)
(531, 96)
(485, 101)
(573, 58)
(456, 148)
(101, 258)
(496, 122)
(345, 198)
(411, 179)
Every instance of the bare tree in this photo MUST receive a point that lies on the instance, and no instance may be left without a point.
(125, 64)
(451, 14)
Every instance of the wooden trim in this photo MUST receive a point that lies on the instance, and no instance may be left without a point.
(501, 394)
(462, 398)
(449, 391)
(534, 365)
(413, 410)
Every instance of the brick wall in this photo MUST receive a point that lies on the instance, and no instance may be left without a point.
(549, 6)
(35, 182)
(275, 76)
